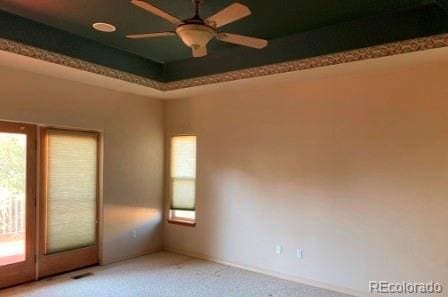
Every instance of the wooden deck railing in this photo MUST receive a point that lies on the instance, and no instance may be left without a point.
(12, 215)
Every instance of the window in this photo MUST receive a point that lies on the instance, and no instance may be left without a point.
(183, 179)
(71, 188)
(13, 164)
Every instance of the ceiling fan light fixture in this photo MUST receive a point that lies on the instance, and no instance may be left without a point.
(195, 35)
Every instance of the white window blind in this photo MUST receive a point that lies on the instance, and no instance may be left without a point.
(72, 173)
(183, 172)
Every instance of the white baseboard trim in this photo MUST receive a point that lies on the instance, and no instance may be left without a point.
(271, 273)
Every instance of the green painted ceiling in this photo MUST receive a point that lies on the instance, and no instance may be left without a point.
(295, 28)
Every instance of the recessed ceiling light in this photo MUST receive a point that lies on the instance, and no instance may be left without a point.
(104, 27)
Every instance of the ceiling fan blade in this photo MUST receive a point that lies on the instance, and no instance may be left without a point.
(242, 40)
(228, 15)
(199, 52)
(157, 11)
(150, 35)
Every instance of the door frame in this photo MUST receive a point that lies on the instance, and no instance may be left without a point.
(15, 273)
(70, 260)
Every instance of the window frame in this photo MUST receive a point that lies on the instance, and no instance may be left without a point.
(172, 218)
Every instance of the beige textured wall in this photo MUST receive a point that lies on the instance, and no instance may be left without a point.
(133, 150)
(352, 169)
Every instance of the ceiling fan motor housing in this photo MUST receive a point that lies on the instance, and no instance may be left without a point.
(195, 35)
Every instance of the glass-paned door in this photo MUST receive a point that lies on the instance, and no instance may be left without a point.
(17, 203)
(69, 200)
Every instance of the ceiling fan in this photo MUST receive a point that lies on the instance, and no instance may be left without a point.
(196, 32)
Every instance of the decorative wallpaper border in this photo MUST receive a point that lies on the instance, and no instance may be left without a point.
(52, 57)
(390, 49)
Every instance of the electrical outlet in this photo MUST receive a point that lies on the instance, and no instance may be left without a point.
(134, 233)
(299, 254)
(278, 249)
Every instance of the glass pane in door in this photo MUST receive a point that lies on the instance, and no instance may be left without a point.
(13, 152)
(71, 190)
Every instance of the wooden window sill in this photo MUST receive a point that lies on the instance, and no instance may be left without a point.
(182, 223)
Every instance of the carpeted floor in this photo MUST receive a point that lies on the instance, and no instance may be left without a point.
(166, 275)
